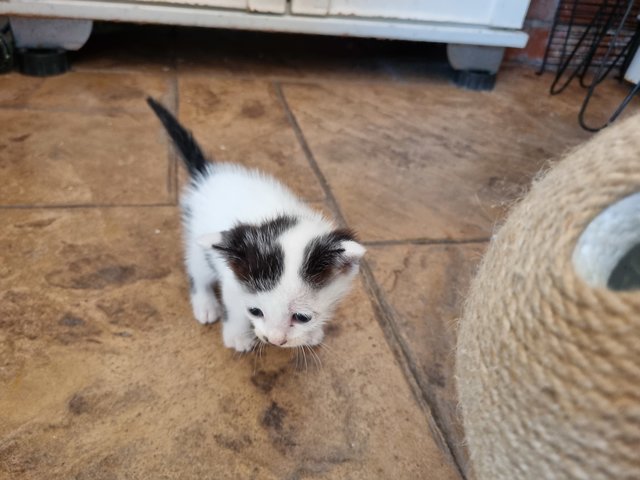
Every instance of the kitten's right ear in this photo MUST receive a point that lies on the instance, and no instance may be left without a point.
(210, 240)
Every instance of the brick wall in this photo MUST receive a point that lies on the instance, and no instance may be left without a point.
(538, 25)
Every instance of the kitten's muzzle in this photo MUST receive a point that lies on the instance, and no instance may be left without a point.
(278, 342)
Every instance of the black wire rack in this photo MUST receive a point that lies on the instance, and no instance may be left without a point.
(590, 40)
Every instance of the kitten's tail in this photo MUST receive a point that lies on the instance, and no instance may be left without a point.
(189, 149)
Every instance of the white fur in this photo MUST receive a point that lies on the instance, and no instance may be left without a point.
(230, 195)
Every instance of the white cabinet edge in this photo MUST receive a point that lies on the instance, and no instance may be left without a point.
(267, 6)
(210, 17)
(310, 7)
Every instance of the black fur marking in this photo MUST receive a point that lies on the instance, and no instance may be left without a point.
(253, 253)
(189, 149)
(323, 257)
(192, 285)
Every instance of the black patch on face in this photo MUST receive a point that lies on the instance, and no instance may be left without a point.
(253, 253)
(192, 285)
(323, 257)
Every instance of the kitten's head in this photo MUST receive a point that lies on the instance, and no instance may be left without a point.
(292, 273)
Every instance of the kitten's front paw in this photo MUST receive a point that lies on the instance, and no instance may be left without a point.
(205, 308)
(241, 343)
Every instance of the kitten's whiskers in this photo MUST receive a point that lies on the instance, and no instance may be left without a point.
(315, 356)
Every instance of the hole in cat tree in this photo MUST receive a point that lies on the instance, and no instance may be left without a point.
(608, 251)
(626, 275)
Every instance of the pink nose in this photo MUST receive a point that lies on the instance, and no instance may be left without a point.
(277, 341)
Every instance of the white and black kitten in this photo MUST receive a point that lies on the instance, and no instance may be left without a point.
(257, 256)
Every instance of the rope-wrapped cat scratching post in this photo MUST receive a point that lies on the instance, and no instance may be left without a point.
(548, 358)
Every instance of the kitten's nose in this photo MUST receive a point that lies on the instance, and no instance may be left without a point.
(279, 341)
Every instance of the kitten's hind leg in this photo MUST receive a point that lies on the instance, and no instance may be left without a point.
(205, 306)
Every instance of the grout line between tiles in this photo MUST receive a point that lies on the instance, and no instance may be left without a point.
(318, 81)
(85, 205)
(385, 316)
(122, 71)
(425, 241)
(386, 79)
(81, 111)
(333, 205)
(383, 311)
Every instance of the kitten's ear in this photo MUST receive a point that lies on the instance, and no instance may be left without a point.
(352, 250)
(210, 240)
(329, 255)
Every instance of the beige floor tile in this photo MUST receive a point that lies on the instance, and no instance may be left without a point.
(103, 372)
(243, 121)
(433, 161)
(424, 286)
(69, 158)
(91, 91)
(16, 89)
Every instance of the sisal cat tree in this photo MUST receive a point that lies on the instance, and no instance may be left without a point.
(548, 356)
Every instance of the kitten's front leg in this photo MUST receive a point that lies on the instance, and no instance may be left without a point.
(237, 331)
(205, 306)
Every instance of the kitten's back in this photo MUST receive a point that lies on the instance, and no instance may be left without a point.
(221, 195)
(228, 194)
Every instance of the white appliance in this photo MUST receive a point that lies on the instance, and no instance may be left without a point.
(466, 25)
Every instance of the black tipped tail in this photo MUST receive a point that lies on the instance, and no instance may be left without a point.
(189, 149)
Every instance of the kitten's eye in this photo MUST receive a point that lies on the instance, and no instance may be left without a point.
(302, 318)
(256, 312)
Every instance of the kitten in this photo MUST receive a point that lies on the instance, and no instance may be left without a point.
(278, 268)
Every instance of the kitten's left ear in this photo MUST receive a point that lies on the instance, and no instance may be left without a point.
(352, 250)
(210, 240)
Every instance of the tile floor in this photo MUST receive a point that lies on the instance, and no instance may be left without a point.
(103, 372)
